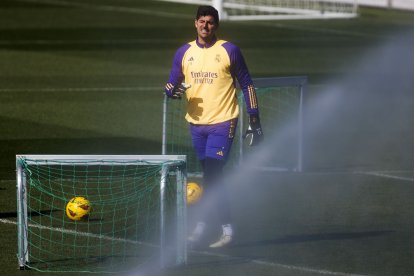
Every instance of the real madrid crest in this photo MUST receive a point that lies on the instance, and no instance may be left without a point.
(218, 58)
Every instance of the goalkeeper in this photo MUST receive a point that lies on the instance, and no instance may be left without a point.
(205, 72)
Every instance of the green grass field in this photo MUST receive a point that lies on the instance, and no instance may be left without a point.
(87, 77)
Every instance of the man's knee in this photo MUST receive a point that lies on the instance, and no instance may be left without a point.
(212, 169)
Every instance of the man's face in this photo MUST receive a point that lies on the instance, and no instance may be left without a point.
(206, 27)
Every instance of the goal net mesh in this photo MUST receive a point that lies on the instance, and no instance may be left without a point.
(122, 230)
(279, 105)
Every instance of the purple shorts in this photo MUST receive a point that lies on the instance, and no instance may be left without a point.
(213, 141)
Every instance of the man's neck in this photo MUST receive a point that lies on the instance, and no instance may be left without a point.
(206, 42)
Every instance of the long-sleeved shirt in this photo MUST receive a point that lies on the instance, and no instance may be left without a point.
(212, 71)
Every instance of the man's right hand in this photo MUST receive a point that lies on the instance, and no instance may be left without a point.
(177, 91)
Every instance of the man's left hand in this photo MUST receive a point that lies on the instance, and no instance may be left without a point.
(254, 133)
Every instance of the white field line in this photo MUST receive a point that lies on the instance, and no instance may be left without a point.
(258, 262)
(79, 233)
(83, 89)
(323, 30)
(111, 8)
(274, 264)
(46, 42)
(386, 174)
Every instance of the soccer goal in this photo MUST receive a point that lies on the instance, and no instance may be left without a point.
(243, 10)
(137, 218)
(280, 103)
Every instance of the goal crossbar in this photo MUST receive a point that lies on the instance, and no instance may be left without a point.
(102, 159)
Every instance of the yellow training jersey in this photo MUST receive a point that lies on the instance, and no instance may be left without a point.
(212, 70)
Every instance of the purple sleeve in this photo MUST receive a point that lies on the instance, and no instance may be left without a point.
(176, 74)
(238, 69)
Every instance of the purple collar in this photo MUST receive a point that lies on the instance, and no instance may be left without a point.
(207, 45)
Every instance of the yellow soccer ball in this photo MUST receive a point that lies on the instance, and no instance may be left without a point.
(194, 192)
(78, 208)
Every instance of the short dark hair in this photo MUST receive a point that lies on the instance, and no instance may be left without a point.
(208, 10)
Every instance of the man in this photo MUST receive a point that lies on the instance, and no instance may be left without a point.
(206, 70)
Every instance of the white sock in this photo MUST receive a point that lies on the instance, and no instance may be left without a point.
(227, 230)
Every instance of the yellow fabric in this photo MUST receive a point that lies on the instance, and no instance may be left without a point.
(212, 96)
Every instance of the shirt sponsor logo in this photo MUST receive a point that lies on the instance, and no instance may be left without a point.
(204, 77)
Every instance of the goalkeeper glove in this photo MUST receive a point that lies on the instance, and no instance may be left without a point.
(254, 133)
(176, 92)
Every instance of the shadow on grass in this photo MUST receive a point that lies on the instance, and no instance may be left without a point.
(80, 146)
(31, 214)
(90, 263)
(65, 141)
(314, 237)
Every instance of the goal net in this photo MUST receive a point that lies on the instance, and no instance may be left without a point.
(280, 102)
(242, 10)
(137, 216)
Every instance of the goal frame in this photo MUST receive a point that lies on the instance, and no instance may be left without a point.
(281, 13)
(300, 82)
(174, 164)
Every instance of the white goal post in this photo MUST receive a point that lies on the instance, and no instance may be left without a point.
(243, 10)
(126, 192)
